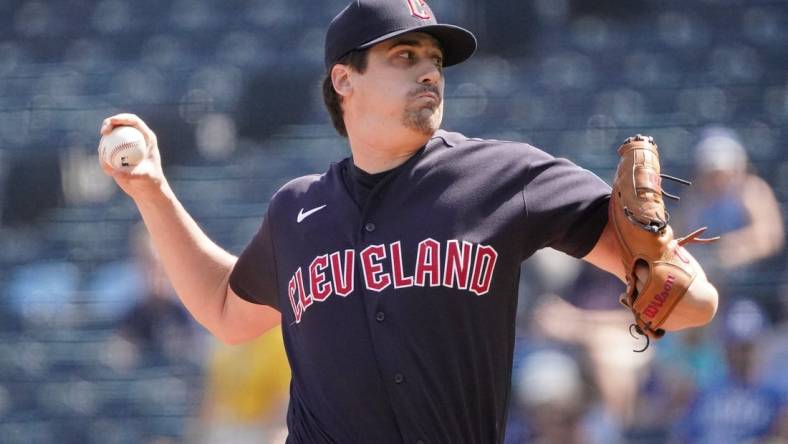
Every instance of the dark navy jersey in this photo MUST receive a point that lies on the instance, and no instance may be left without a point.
(398, 318)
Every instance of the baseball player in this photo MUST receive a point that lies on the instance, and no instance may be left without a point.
(394, 273)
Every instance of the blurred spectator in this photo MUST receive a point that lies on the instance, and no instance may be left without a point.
(246, 392)
(773, 362)
(779, 434)
(739, 409)
(589, 315)
(734, 203)
(553, 404)
(694, 353)
(157, 329)
(684, 362)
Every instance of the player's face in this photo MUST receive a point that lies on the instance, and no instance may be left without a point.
(404, 81)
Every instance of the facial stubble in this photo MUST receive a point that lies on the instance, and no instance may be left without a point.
(424, 119)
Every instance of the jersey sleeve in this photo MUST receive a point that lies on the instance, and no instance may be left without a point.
(254, 276)
(566, 205)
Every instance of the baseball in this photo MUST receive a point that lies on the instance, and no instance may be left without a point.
(123, 148)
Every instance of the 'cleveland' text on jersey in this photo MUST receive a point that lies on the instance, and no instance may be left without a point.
(456, 264)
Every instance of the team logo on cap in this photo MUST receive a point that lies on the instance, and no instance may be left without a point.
(419, 8)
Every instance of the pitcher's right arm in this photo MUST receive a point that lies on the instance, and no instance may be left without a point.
(198, 269)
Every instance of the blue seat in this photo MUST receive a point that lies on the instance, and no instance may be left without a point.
(193, 15)
(166, 51)
(41, 291)
(36, 430)
(243, 49)
(112, 288)
(114, 17)
(762, 24)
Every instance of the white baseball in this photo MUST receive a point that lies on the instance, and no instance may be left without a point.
(123, 148)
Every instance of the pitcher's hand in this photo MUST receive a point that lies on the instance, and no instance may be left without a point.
(147, 178)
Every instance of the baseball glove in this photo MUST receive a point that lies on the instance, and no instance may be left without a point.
(640, 219)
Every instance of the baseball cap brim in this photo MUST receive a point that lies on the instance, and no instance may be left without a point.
(457, 43)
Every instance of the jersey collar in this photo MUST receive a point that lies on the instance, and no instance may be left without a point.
(440, 136)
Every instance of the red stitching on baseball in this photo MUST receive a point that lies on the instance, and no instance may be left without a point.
(120, 147)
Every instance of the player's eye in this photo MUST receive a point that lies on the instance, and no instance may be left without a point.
(406, 54)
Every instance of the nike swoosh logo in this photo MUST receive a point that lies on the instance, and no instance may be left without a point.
(303, 215)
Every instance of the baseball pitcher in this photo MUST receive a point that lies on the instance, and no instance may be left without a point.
(394, 273)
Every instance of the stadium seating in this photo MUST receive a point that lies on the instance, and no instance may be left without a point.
(567, 77)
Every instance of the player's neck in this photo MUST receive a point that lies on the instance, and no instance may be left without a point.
(374, 153)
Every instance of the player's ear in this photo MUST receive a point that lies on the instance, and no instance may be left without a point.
(340, 78)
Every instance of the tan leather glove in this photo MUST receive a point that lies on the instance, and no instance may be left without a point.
(638, 213)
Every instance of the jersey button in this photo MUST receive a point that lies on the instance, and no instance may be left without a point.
(380, 316)
(398, 378)
(369, 227)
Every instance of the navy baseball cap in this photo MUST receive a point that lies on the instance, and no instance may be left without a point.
(364, 23)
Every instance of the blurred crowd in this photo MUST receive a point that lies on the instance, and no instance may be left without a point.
(581, 382)
(95, 348)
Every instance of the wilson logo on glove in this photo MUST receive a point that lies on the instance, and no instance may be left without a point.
(660, 298)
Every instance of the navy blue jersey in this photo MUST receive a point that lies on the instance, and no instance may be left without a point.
(398, 317)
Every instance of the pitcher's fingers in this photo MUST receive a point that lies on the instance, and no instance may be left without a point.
(135, 121)
(129, 119)
(108, 170)
(106, 127)
(641, 271)
(121, 119)
(125, 117)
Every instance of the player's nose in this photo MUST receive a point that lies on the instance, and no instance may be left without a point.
(431, 75)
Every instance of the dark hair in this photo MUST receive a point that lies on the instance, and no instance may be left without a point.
(357, 60)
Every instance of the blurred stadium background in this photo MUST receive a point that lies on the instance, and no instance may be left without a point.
(231, 89)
